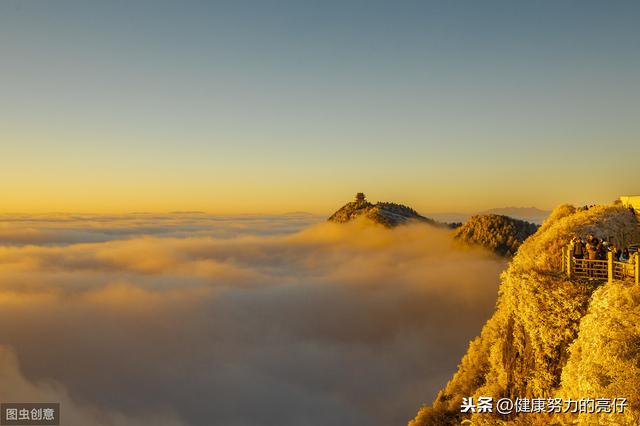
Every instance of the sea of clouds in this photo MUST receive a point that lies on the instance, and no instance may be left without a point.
(194, 319)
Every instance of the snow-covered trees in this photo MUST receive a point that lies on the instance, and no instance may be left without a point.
(552, 337)
(500, 234)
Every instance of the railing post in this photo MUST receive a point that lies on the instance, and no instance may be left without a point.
(610, 266)
(569, 264)
(637, 274)
(564, 258)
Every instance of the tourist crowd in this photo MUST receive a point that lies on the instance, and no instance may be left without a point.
(594, 249)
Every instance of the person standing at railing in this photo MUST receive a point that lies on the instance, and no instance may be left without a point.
(624, 256)
(616, 252)
(601, 251)
(592, 249)
(578, 248)
(627, 263)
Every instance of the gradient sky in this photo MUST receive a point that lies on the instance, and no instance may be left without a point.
(279, 106)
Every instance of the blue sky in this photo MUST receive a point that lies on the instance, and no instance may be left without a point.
(276, 106)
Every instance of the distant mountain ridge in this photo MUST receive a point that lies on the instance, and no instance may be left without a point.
(384, 213)
(529, 214)
(393, 214)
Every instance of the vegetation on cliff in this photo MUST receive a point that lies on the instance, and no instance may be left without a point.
(383, 213)
(550, 336)
(501, 234)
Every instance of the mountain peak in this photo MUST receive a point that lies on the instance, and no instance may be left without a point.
(384, 213)
(500, 234)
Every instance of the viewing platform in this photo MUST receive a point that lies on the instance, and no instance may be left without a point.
(600, 270)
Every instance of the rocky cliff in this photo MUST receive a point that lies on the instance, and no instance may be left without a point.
(551, 336)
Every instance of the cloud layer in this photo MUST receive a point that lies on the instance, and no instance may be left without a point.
(237, 325)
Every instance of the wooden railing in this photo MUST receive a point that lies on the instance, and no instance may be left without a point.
(600, 270)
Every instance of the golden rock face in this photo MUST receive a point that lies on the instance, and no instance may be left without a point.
(553, 336)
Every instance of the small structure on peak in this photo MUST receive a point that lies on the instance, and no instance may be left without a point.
(387, 214)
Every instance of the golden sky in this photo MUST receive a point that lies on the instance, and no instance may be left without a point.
(268, 110)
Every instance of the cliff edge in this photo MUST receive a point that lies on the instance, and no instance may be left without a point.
(551, 336)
